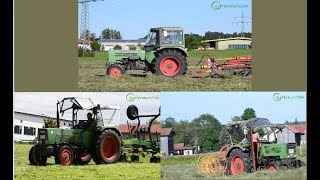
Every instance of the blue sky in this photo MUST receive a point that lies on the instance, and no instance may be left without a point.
(135, 18)
(225, 105)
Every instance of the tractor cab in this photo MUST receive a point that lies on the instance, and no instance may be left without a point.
(81, 107)
(164, 37)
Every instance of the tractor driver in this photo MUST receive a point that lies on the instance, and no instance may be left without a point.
(165, 39)
(91, 122)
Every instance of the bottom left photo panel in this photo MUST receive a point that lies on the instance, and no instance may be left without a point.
(86, 135)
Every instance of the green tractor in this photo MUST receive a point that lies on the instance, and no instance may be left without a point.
(136, 146)
(257, 150)
(164, 54)
(99, 141)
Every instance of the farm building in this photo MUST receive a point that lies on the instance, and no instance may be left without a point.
(109, 44)
(180, 149)
(155, 131)
(293, 134)
(230, 43)
(26, 125)
(166, 140)
(86, 44)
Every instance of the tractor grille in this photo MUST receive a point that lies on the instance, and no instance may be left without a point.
(291, 150)
(43, 136)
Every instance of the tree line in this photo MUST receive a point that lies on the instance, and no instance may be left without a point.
(205, 131)
(193, 41)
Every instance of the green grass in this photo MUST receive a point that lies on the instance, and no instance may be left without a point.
(92, 76)
(23, 170)
(185, 167)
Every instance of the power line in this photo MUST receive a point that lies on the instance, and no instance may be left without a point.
(84, 28)
(242, 21)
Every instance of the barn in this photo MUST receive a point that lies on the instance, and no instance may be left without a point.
(26, 125)
(166, 139)
(293, 134)
(230, 43)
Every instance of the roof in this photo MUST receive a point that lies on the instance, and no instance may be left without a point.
(180, 146)
(121, 40)
(302, 129)
(154, 128)
(228, 39)
(165, 131)
(44, 116)
(80, 41)
(167, 28)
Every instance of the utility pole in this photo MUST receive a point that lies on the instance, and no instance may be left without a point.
(85, 23)
(242, 21)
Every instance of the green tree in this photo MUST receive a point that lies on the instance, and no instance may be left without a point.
(183, 133)
(154, 122)
(205, 45)
(50, 123)
(224, 137)
(193, 41)
(95, 46)
(236, 118)
(248, 114)
(92, 37)
(85, 34)
(106, 33)
(117, 47)
(169, 122)
(133, 47)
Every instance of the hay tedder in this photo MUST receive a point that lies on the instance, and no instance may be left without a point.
(252, 153)
(240, 64)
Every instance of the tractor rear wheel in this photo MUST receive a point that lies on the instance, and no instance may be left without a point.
(238, 162)
(108, 148)
(35, 158)
(65, 156)
(115, 70)
(169, 63)
(273, 165)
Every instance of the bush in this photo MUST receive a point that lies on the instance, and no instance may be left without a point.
(117, 47)
(95, 46)
(87, 52)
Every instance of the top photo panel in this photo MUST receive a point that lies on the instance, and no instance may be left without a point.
(147, 46)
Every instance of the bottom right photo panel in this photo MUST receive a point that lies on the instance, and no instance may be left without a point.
(233, 135)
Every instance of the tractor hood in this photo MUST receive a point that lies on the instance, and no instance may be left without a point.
(76, 103)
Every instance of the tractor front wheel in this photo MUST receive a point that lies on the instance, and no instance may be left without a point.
(65, 156)
(170, 63)
(35, 158)
(108, 148)
(238, 162)
(273, 165)
(115, 70)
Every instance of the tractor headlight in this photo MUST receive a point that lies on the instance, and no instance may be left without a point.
(291, 151)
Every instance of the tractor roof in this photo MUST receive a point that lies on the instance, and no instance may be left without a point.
(254, 122)
(166, 28)
(75, 103)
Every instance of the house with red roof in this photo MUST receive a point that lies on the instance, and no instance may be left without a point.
(131, 131)
(181, 149)
(293, 134)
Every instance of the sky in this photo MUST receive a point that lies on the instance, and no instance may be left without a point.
(135, 18)
(225, 105)
(44, 103)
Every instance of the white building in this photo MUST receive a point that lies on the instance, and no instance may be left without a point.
(26, 125)
(109, 44)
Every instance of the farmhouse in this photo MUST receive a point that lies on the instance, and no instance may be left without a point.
(166, 140)
(26, 125)
(86, 44)
(230, 43)
(293, 134)
(109, 44)
(143, 131)
(180, 149)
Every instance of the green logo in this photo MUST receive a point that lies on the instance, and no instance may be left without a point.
(278, 97)
(216, 5)
(131, 97)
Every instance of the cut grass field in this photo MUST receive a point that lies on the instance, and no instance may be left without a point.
(185, 167)
(92, 76)
(23, 170)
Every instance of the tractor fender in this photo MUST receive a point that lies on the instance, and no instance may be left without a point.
(113, 129)
(234, 147)
(181, 50)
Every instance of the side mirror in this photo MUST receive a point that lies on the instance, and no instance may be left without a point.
(132, 112)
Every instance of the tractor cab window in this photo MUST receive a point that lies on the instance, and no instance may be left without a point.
(151, 39)
(172, 37)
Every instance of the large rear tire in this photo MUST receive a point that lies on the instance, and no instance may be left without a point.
(169, 63)
(238, 162)
(108, 148)
(35, 158)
